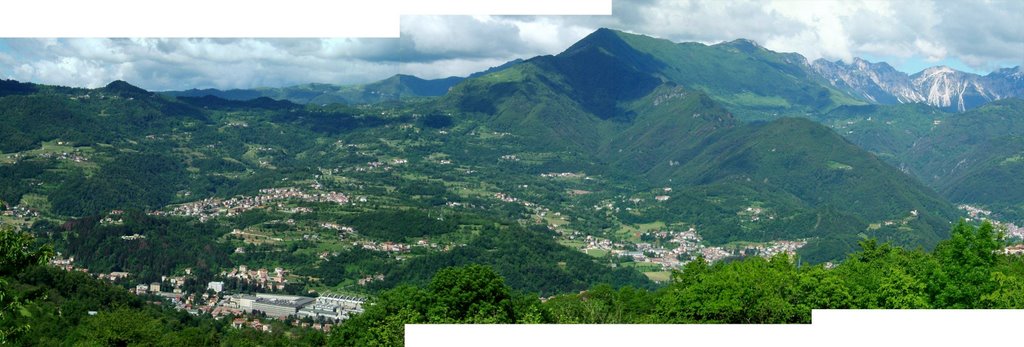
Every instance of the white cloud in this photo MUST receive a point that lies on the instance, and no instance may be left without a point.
(982, 34)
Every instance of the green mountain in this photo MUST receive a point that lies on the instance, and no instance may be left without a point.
(753, 82)
(975, 157)
(889, 131)
(73, 156)
(615, 138)
(970, 157)
(625, 109)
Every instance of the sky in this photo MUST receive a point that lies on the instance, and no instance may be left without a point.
(977, 36)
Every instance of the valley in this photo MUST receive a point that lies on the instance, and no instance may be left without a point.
(628, 169)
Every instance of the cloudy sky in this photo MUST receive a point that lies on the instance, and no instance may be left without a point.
(977, 36)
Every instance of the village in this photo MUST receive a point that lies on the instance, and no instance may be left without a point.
(687, 245)
(1012, 231)
(247, 308)
(210, 208)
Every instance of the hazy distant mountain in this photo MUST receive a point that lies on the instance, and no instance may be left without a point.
(939, 86)
(396, 87)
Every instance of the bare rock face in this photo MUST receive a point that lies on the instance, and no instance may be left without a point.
(939, 86)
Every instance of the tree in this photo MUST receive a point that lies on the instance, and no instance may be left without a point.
(748, 291)
(823, 289)
(1008, 293)
(966, 262)
(468, 294)
(120, 327)
(17, 252)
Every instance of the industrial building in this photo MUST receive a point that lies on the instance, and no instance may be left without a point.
(333, 307)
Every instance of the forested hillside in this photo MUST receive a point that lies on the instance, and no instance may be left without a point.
(968, 157)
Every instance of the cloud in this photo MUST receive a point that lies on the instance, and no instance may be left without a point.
(981, 34)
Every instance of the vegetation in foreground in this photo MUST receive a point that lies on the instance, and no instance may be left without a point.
(46, 306)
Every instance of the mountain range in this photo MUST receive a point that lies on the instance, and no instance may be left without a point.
(397, 87)
(739, 73)
(609, 98)
(744, 144)
(939, 86)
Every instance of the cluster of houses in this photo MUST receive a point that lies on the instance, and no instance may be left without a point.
(1017, 249)
(115, 217)
(386, 246)
(343, 230)
(713, 254)
(325, 310)
(327, 307)
(772, 248)
(259, 277)
(562, 175)
(209, 208)
(975, 212)
(67, 264)
(688, 247)
(370, 278)
(755, 213)
(1012, 230)
(74, 156)
(379, 165)
(508, 198)
(19, 211)
(505, 197)
(240, 322)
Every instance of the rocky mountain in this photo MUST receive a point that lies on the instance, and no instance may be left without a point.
(939, 86)
(875, 82)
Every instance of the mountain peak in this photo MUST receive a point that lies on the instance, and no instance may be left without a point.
(124, 88)
(601, 37)
(1015, 72)
(940, 69)
(742, 41)
(744, 45)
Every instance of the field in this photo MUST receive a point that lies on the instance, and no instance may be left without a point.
(659, 276)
